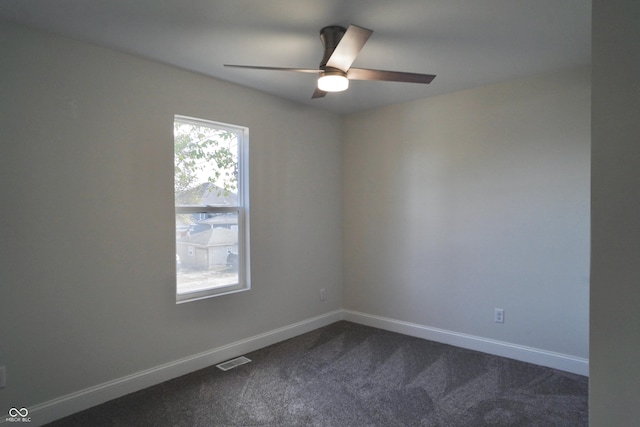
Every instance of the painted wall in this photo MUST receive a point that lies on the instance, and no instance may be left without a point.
(86, 178)
(458, 204)
(614, 385)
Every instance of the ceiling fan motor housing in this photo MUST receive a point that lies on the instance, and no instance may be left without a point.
(330, 37)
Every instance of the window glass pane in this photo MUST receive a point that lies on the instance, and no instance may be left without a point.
(211, 195)
(206, 251)
(206, 165)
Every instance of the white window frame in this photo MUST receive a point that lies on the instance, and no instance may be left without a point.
(242, 210)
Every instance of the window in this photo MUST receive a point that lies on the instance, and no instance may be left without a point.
(211, 207)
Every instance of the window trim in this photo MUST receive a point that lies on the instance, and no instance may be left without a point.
(242, 210)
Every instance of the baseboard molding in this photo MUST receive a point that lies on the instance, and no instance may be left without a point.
(84, 399)
(536, 356)
(66, 405)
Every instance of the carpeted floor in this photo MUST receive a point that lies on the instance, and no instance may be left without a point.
(351, 375)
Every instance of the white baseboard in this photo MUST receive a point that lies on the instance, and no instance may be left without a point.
(563, 362)
(66, 405)
(84, 399)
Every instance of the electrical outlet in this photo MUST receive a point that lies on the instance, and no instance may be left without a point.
(323, 295)
(3, 377)
(498, 315)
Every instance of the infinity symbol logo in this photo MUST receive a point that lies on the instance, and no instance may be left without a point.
(22, 412)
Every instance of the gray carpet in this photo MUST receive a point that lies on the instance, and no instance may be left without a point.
(351, 375)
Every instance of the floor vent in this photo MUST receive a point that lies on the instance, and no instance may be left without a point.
(230, 364)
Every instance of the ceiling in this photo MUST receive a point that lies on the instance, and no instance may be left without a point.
(466, 43)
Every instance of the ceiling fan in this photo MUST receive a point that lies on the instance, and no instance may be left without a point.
(341, 47)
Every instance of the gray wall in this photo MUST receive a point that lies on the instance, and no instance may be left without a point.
(86, 177)
(458, 204)
(614, 385)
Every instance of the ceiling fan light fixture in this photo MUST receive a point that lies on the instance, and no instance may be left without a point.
(333, 81)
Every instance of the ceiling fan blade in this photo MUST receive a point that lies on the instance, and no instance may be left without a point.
(390, 76)
(318, 94)
(297, 70)
(349, 47)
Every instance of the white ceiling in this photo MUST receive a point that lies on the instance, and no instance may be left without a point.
(466, 43)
